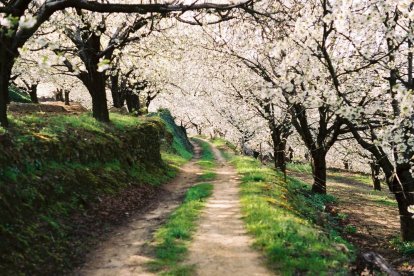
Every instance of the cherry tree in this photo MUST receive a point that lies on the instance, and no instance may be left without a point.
(95, 42)
(19, 21)
(276, 58)
(28, 77)
(378, 97)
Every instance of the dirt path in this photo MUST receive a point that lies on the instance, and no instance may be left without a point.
(372, 213)
(221, 245)
(126, 251)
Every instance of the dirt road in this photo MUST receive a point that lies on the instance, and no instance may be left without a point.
(221, 245)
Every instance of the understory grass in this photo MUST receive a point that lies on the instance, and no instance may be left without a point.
(378, 197)
(382, 198)
(288, 222)
(299, 167)
(51, 125)
(171, 240)
(405, 248)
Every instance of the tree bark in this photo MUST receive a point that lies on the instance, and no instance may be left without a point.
(319, 171)
(33, 94)
(133, 103)
(4, 92)
(116, 92)
(375, 171)
(67, 99)
(6, 64)
(347, 165)
(403, 188)
(59, 95)
(95, 83)
(279, 148)
(100, 107)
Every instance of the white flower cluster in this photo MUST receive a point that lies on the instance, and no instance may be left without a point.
(24, 22)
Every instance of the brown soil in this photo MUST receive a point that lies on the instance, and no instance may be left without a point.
(376, 224)
(101, 218)
(125, 250)
(221, 245)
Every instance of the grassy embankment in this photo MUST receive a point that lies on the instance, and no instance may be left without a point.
(172, 239)
(378, 197)
(288, 222)
(58, 170)
(382, 198)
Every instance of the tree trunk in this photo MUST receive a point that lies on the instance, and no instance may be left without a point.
(96, 88)
(33, 94)
(403, 187)
(4, 92)
(375, 171)
(319, 171)
(6, 64)
(59, 95)
(132, 102)
(100, 108)
(116, 92)
(279, 153)
(95, 83)
(67, 99)
(347, 165)
(279, 147)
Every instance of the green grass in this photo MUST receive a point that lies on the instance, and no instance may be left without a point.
(378, 197)
(175, 160)
(223, 144)
(288, 222)
(405, 248)
(17, 95)
(207, 160)
(351, 229)
(207, 176)
(381, 198)
(61, 165)
(180, 144)
(51, 126)
(362, 178)
(297, 167)
(171, 240)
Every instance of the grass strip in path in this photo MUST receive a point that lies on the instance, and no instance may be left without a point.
(288, 222)
(207, 161)
(172, 239)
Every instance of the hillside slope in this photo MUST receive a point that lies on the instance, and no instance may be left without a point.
(62, 176)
